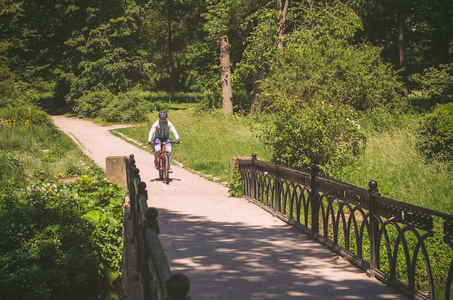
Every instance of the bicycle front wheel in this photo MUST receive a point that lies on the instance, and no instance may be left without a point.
(166, 170)
(161, 168)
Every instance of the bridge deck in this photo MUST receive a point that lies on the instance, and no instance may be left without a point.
(228, 247)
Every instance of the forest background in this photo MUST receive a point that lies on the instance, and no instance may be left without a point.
(319, 79)
(361, 88)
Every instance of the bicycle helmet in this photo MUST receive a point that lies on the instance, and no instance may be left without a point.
(163, 115)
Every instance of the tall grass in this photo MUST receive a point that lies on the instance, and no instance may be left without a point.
(40, 150)
(391, 159)
(208, 140)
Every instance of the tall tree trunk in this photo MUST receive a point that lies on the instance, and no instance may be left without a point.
(402, 53)
(225, 77)
(281, 21)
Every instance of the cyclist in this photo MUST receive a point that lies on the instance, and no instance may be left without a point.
(160, 132)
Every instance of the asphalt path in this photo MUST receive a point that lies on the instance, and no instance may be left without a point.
(228, 247)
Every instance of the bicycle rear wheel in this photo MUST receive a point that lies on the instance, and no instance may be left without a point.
(166, 170)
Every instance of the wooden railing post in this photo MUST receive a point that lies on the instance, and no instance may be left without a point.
(374, 228)
(314, 201)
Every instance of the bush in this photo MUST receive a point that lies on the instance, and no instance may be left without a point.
(90, 105)
(21, 115)
(435, 134)
(315, 95)
(10, 168)
(127, 107)
(304, 134)
(65, 256)
(437, 83)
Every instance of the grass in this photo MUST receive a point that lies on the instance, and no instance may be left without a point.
(39, 150)
(208, 140)
(392, 160)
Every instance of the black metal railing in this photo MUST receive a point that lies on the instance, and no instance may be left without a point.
(153, 270)
(403, 245)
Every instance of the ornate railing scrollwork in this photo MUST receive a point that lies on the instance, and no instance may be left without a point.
(405, 246)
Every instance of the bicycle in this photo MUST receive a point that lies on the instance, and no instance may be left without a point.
(163, 164)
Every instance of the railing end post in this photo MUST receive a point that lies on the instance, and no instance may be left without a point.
(178, 286)
(254, 156)
(373, 187)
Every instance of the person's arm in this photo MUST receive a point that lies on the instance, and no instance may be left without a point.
(151, 132)
(173, 130)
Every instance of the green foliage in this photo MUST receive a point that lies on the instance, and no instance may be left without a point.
(42, 257)
(318, 89)
(63, 256)
(437, 83)
(435, 134)
(116, 72)
(235, 186)
(11, 168)
(6, 87)
(101, 204)
(128, 107)
(90, 104)
(303, 134)
(334, 71)
(21, 115)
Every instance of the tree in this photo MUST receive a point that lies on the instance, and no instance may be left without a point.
(218, 17)
(225, 77)
(414, 34)
(319, 86)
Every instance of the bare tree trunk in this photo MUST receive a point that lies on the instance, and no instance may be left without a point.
(281, 21)
(225, 77)
(402, 53)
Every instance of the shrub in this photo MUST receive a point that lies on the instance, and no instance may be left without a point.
(126, 107)
(304, 134)
(437, 83)
(22, 114)
(65, 256)
(90, 105)
(435, 134)
(10, 168)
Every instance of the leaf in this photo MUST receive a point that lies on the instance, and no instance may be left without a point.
(112, 275)
(93, 216)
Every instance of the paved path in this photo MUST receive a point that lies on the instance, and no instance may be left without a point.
(228, 247)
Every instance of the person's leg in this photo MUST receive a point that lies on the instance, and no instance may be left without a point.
(168, 147)
(157, 148)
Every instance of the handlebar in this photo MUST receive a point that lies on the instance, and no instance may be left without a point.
(162, 143)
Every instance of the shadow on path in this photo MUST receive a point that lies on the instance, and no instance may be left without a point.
(238, 261)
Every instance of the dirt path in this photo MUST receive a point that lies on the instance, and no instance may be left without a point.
(229, 248)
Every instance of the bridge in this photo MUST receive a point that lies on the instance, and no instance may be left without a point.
(230, 248)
